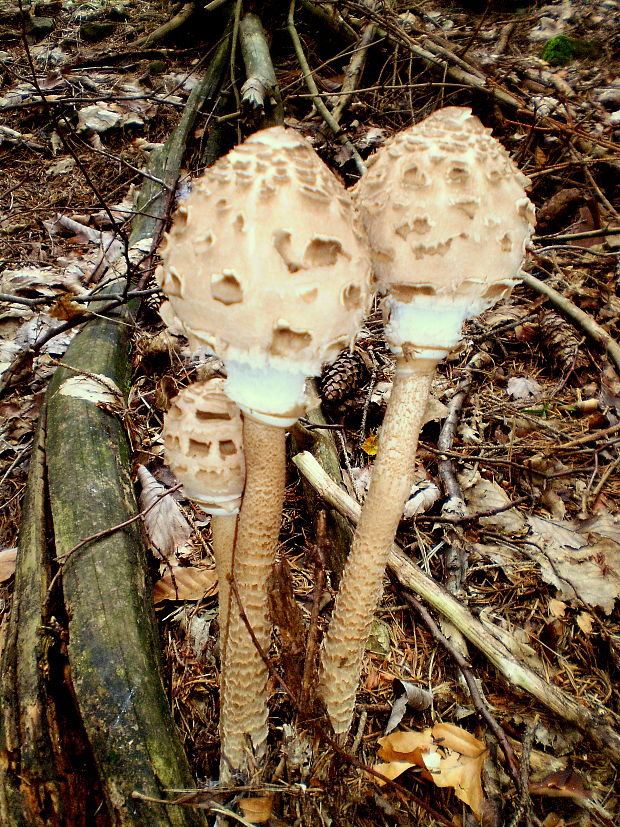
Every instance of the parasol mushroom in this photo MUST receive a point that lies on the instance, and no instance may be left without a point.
(266, 265)
(448, 221)
(203, 440)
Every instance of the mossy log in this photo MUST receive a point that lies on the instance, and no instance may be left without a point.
(115, 708)
(40, 784)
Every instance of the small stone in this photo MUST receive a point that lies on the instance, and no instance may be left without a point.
(157, 67)
(93, 31)
(10, 15)
(119, 13)
(40, 27)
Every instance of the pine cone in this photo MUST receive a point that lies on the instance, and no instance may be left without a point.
(155, 300)
(560, 340)
(343, 377)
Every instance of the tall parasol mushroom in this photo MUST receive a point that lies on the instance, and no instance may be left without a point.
(448, 221)
(266, 265)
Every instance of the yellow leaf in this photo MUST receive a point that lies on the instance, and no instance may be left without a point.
(257, 810)
(398, 744)
(369, 446)
(460, 772)
(448, 755)
(392, 770)
(453, 737)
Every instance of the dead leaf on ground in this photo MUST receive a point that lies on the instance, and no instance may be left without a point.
(557, 608)
(167, 526)
(563, 784)
(257, 810)
(411, 696)
(520, 387)
(8, 557)
(447, 755)
(578, 570)
(486, 495)
(185, 583)
(585, 622)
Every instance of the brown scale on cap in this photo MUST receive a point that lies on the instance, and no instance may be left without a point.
(446, 213)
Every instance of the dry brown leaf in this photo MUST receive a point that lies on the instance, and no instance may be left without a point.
(399, 744)
(257, 810)
(8, 557)
(585, 622)
(577, 569)
(185, 583)
(166, 524)
(557, 608)
(449, 756)
(65, 308)
(485, 495)
(459, 740)
(393, 769)
(563, 784)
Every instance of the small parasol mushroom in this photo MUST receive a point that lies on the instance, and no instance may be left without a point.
(203, 440)
(448, 221)
(266, 265)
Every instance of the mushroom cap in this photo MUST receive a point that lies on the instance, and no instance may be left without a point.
(203, 441)
(266, 263)
(448, 222)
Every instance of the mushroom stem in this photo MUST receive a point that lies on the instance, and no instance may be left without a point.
(224, 532)
(244, 729)
(362, 580)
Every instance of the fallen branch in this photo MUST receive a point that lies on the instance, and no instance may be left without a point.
(316, 97)
(591, 723)
(166, 29)
(354, 70)
(38, 788)
(260, 91)
(568, 237)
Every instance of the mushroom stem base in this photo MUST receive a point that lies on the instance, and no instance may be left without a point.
(244, 681)
(223, 531)
(362, 581)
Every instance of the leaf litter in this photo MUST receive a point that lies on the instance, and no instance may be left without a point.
(560, 548)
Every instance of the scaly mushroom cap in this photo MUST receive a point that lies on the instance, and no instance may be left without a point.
(448, 221)
(266, 264)
(203, 440)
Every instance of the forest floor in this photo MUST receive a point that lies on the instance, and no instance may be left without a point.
(528, 406)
